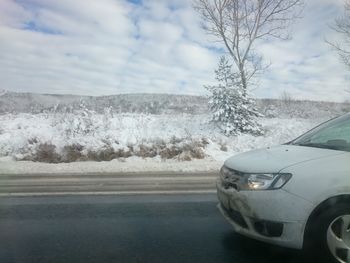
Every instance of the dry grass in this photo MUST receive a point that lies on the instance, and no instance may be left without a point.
(192, 150)
(72, 153)
(169, 152)
(33, 141)
(46, 153)
(223, 147)
(147, 151)
(107, 154)
(180, 149)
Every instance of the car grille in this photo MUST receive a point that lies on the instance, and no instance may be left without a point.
(235, 180)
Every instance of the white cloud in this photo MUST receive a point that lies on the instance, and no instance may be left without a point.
(306, 66)
(113, 46)
(195, 57)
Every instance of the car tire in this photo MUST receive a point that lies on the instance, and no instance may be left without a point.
(327, 238)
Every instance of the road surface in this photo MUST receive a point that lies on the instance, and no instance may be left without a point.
(106, 184)
(125, 228)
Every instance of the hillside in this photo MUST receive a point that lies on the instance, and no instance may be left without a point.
(157, 127)
(11, 102)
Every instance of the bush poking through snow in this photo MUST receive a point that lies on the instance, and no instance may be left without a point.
(107, 154)
(169, 152)
(198, 153)
(45, 152)
(192, 150)
(72, 153)
(223, 147)
(183, 150)
(147, 151)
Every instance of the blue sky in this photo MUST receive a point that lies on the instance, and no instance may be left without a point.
(90, 47)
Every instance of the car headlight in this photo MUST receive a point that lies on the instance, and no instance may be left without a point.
(253, 181)
(266, 181)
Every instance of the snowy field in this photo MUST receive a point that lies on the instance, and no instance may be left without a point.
(84, 141)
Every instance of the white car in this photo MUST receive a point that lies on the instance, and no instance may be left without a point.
(295, 195)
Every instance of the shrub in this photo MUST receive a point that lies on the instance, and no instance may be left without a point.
(182, 149)
(169, 152)
(72, 153)
(223, 147)
(147, 151)
(46, 152)
(185, 156)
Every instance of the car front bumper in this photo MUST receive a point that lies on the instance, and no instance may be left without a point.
(273, 216)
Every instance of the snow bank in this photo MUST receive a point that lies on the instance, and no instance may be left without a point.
(132, 164)
(21, 135)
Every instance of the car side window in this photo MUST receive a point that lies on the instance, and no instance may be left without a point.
(334, 134)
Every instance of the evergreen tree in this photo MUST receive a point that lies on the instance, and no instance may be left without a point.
(234, 111)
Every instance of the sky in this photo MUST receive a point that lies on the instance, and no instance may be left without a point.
(90, 47)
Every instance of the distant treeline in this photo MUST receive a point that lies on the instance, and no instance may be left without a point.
(11, 102)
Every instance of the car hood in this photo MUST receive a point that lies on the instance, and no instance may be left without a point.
(274, 159)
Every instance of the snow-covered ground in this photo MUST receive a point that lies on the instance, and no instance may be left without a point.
(132, 164)
(139, 142)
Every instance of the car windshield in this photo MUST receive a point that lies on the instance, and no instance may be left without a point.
(334, 134)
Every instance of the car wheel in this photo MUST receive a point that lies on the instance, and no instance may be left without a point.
(328, 238)
(338, 238)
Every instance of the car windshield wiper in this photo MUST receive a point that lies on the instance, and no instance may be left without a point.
(321, 145)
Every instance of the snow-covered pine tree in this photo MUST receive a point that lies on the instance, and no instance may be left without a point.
(234, 111)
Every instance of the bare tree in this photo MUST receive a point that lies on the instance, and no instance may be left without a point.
(286, 98)
(342, 27)
(238, 24)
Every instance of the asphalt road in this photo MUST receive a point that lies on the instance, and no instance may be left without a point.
(143, 228)
(106, 184)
